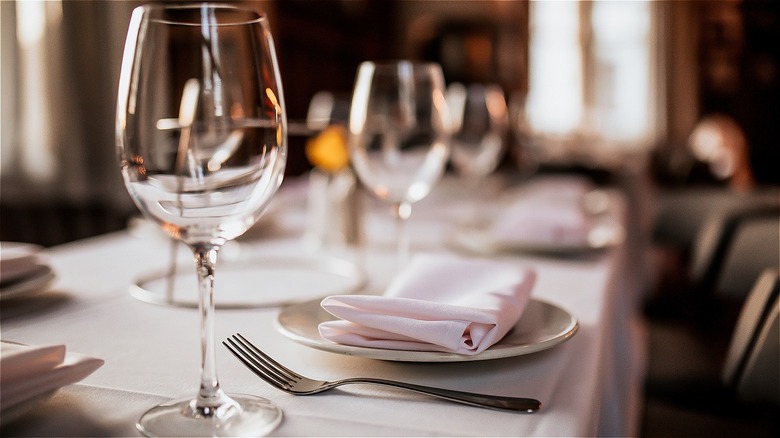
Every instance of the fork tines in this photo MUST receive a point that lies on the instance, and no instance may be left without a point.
(260, 363)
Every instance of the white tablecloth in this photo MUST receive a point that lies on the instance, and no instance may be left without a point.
(589, 385)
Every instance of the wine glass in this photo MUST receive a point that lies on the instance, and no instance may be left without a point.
(202, 142)
(525, 154)
(399, 134)
(480, 123)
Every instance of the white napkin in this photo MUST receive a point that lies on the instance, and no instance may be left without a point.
(548, 212)
(27, 371)
(437, 303)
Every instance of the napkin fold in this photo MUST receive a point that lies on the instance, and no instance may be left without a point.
(548, 212)
(27, 371)
(536, 221)
(437, 303)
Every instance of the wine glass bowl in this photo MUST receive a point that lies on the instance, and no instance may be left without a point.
(525, 150)
(480, 123)
(399, 127)
(399, 130)
(202, 146)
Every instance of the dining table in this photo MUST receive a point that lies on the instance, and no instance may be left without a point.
(102, 304)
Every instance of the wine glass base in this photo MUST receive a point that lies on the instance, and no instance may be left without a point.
(256, 417)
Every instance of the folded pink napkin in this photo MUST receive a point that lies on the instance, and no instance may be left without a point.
(27, 371)
(437, 303)
(548, 211)
(570, 187)
(540, 221)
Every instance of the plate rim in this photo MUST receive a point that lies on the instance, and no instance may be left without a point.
(428, 356)
(491, 245)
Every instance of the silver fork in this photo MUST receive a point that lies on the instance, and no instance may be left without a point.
(289, 381)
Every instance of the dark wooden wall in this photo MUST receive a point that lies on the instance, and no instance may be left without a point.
(320, 45)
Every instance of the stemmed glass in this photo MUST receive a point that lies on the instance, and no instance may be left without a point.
(480, 125)
(525, 155)
(399, 134)
(202, 142)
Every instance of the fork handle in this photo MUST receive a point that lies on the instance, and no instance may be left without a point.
(482, 400)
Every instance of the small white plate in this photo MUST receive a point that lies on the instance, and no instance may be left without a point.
(18, 260)
(36, 281)
(542, 326)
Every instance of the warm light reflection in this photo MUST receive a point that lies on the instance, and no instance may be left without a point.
(278, 109)
(172, 230)
(138, 162)
(496, 104)
(274, 101)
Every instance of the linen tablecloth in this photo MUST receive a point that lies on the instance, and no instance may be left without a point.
(589, 385)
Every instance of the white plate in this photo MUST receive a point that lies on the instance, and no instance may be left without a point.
(478, 241)
(38, 382)
(542, 326)
(18, 260)
(35, 282)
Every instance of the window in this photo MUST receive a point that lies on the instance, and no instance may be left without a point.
(591, 73)
(26, 118)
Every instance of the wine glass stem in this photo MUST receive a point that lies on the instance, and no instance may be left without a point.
(210, 397)
(475, 187)
(402, 212)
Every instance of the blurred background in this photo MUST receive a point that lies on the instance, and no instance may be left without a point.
(678, 102)
(600, 85)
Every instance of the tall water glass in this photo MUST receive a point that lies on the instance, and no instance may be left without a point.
(480, 126)
(399, 130)
(202, 142)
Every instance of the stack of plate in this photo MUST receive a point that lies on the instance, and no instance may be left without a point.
(23, 270)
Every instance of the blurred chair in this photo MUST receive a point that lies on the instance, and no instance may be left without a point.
(730, 251)
(691, 389)
(694, 372)
(726, 247)
(752, 366)
(755, 246)
(693, 235)
(682, 213)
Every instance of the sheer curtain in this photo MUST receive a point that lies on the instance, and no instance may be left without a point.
(59, 178)
(60, 61)
(596, 78)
